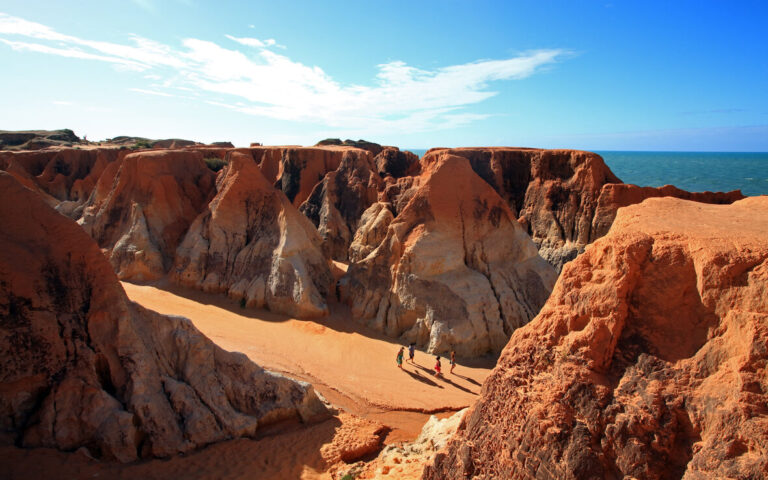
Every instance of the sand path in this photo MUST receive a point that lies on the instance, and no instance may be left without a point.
(351, 365)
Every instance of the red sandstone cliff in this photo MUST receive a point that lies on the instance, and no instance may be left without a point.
(648, 360)
(455, 270)
(143, 205)
(84, 367)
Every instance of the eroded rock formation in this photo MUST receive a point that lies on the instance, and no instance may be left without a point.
(65, 177)
(296, 170)
(339, 200)
(143, 205)
(84, 367)
(553, 193)
(455, 269)
(253, 244)
(649, 360)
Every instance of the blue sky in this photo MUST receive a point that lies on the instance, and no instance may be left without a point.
(607, 75)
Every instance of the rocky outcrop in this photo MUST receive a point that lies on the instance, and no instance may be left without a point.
(553, 193)
(339, 200)
(84, 367)
(616, 195)
(648, 361)
(393, 162)
(254, 245)
(37, 139)
(143, 205)
(455, 269)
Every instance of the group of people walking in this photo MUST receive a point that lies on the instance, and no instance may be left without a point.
(412, 353)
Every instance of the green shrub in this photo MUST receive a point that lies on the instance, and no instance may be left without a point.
(142, 143)
(214, 163)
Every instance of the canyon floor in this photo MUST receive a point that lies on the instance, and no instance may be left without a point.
(352, 366)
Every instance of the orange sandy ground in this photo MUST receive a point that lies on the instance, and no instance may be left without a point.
(352, 366)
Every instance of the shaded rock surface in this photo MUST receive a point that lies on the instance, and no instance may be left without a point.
(648, 361)
(252, 243)
(393, 162)
(143, 205)
(337, 203)
(84, 367)
(296, 170)
(455, 269)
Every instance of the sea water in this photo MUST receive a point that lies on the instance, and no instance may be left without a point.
(692, 171)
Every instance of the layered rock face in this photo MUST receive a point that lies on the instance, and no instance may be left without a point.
(649, 360)
(455, 269)
(296, 170)
(554, 193)
(84, 367)
(338, 201)
(143, 205)
(252, 243)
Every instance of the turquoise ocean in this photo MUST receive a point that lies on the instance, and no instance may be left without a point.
(692, 171)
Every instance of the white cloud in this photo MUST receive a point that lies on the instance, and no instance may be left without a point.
(261, 82)
(151, 92)
(65, 103)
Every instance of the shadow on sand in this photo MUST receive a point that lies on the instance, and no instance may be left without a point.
(464, 389)
(417, 376)
(470, 380)
(445, 379)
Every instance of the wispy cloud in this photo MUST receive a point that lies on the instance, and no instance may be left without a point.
(253, 42)
(151, 92)
(259, 81)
